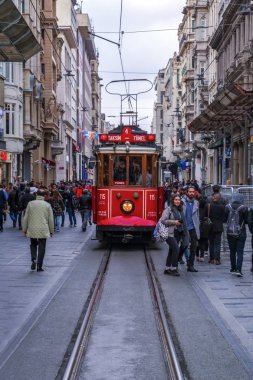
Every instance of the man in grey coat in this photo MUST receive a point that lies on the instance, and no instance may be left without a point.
(191, 211)
(38, 224)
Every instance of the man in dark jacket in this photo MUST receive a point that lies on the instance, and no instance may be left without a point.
(250, 223)
(25, 199)
(13, 205)
(236, 243)
(85, 207)
(2, 206)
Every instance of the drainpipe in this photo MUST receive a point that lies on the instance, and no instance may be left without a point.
(224, 177)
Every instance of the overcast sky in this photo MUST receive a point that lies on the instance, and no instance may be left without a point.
(143, 54)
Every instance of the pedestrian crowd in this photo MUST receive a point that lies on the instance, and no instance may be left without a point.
(195, 224)
(40, 211)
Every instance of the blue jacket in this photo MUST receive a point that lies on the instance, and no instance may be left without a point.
(195, 215)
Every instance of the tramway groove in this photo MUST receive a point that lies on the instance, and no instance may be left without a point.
(171, 358)
(77, 357)
(81, 335)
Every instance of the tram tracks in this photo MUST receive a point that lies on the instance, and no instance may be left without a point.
(76, 358)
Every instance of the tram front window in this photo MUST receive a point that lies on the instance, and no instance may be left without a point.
(119, 170)
(135, 170)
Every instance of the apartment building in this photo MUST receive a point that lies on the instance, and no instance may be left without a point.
(228, 118)
(19, 124)
(49, 91)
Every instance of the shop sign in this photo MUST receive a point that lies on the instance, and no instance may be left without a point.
(5, 156)
(251, 139)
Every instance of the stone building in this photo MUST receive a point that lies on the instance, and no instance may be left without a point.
(19, 86)
(228, 118)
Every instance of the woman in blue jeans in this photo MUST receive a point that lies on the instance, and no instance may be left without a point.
(236, 243)
(173, 217)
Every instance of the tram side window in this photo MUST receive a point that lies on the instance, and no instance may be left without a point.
(106, 171)
(135, 170)
(119, 169)
(149, 175)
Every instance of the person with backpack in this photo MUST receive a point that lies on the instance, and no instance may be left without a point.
(236, 217)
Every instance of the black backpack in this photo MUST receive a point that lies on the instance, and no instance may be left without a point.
(234, 227)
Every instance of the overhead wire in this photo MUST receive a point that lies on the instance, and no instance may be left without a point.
(120, 55)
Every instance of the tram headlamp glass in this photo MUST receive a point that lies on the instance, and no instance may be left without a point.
(127, 206)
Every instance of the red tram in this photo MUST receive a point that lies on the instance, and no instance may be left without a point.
(127, 192)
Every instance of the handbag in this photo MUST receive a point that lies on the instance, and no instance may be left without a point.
(206, 224)
(161, 232)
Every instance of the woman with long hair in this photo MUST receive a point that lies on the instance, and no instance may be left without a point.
(173, 217)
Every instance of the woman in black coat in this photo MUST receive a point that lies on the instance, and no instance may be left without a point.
(203, 241)
(217, 215)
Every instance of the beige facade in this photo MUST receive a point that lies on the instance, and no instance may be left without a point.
(228, 118)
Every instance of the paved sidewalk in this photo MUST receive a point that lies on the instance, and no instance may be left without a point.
(212, 310)
(25, 293)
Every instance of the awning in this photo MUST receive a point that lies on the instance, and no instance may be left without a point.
(17, 42)
(75, 148)
(231, 106)
(47, 162)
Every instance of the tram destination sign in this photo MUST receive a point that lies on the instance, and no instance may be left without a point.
(129, 135)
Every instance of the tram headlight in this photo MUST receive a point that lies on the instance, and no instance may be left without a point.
(127, 206)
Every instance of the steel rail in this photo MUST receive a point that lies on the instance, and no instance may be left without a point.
(170, 352)
(73, 366)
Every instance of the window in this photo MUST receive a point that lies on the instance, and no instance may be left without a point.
(106, 171)
(9, 119)
(203, 29)
(119, 170)
(192, 97)
(9, 72)
(178, 77)
(135, 170)
(193, 24)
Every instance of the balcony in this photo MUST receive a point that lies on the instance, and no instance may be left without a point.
(57, 147)
(17, 40)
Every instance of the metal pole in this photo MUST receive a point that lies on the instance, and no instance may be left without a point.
(193, 164)
(224, 178)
